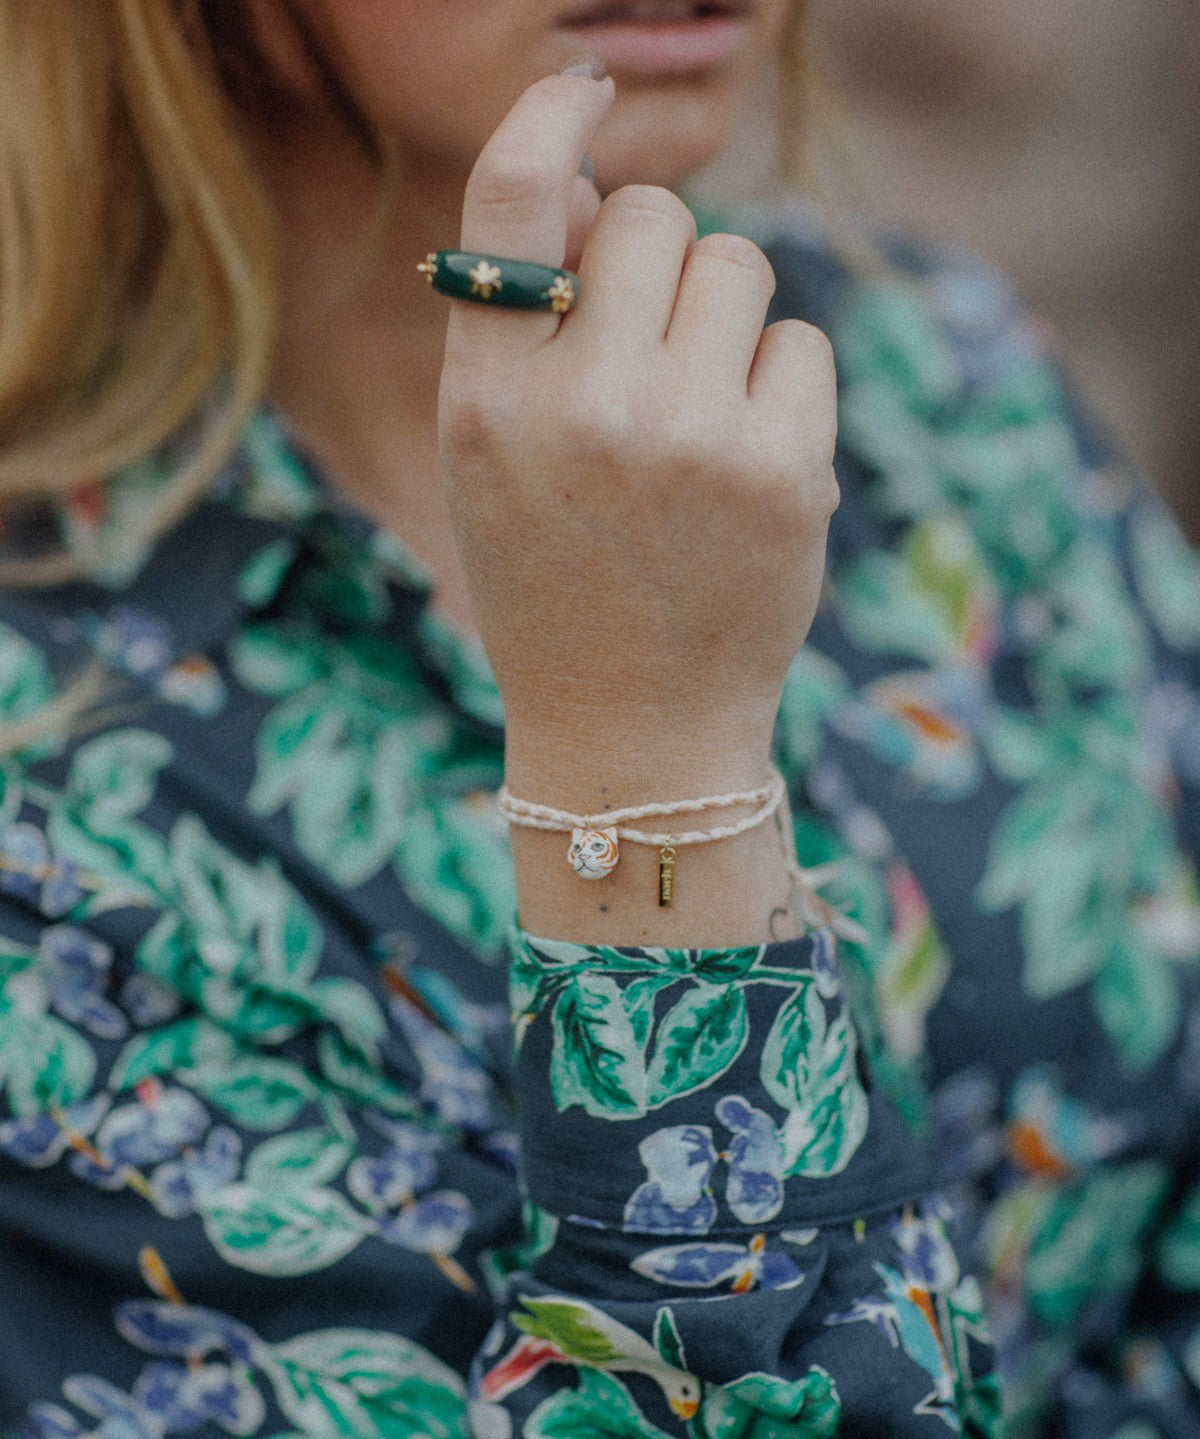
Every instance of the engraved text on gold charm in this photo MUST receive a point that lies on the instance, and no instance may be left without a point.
(666, 876)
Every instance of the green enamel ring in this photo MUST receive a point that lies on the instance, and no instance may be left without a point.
(492, 280)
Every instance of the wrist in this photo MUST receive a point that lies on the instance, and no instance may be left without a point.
(614, 760)
(729, 875)
(732, 892)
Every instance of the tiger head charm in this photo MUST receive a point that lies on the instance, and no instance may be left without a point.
(593, 852)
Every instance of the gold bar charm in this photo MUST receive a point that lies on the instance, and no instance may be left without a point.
(666, 875)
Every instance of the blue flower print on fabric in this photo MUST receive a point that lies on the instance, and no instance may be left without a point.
(162, 1122)
(754, 1190)
(148, 1001)
(434, 1224)
(167, 1398)
(180, 1187)
(741, 1267)
(75, 965)
(404, 1170)
(395, 1188)
(824, 962)
(676, 1198)
(31, 873)
(207, 1368)
(141, 645)
(40, 1140)
(457, 1089)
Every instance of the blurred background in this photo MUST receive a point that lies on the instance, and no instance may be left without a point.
(1062, 139)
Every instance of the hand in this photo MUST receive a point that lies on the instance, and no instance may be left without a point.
(642, 489)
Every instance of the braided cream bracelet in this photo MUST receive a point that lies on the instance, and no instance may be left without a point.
(595, 849)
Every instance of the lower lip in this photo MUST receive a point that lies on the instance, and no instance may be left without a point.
(658, 47)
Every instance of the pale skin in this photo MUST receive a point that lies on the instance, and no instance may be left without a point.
(630, 504)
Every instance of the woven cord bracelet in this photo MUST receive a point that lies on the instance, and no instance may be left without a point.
(594, 851)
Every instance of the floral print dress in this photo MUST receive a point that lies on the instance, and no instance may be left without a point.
(298, 1140)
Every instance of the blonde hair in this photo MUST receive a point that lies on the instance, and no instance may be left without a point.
(137, 258)
(137, 251)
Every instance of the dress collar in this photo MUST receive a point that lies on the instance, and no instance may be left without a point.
(271, 532)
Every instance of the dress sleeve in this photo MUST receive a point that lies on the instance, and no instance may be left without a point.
(735, 1236)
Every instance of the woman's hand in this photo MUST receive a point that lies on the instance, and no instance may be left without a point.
(642, 489)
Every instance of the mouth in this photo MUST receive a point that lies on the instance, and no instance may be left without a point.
(650, 37)
(652, 12)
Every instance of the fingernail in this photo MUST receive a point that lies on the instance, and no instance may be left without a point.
(587, 169)
(589, 65)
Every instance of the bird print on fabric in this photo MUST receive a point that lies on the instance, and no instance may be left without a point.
(568, 1331)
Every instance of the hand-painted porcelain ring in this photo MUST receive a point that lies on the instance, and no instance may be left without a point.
(493, 280)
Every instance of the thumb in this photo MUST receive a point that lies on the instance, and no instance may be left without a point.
(585, 205)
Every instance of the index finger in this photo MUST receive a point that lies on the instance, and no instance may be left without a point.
(518, 198)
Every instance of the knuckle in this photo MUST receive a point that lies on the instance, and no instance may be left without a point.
(652, 201)
(810, 345)
(801, 491)
(829, 493)
(469, 420)
(688, 442)
(689, 432)
(509, 185)
(816, 496)
(597, 423)
(737, 251)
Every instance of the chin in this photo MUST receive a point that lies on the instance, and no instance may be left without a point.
(660, 137)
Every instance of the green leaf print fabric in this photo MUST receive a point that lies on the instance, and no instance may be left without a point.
(299, 1137)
